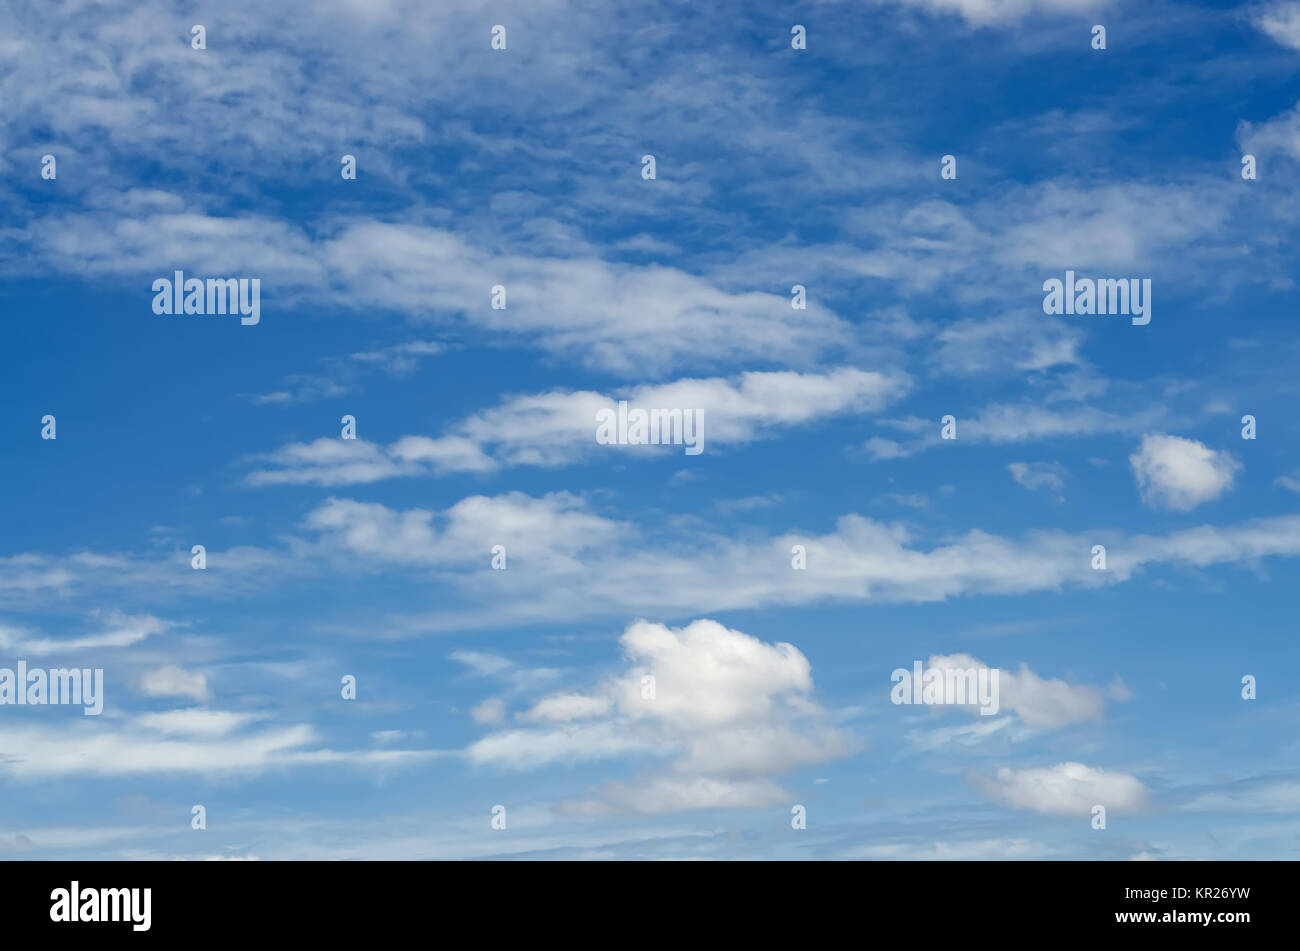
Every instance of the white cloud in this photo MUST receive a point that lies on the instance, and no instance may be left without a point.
(617, 317)
(1281, 21)
(1012, 423)
(583, 565)
(966, 735)
(172, 681)
(950, 851)
(1070, 789)
(1039, 475)
(1276, 137)
(484, 663)
(328, 461)
(559, 428)
(123, 630)
(658, 795)
(563, 707)
(1279, 793)
(250, 857)
(733, 712)
(552, 529)
(568, 562)
(491, 710)
(986, 12)
(182, 741)
(516, 678)
(196, 722)
(1180, 474)
(1038, 702)
(1019, 342)
(573, 743)
(342, 375)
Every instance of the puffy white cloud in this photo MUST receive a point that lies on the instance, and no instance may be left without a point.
(1065, 789)
(734, 712)
(708, 675)
(1180, 474)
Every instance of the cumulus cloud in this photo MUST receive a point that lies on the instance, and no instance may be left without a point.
(732, 712)
(1070, 789)
(1180, 474)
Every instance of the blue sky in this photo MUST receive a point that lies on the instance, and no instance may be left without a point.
(522, 688)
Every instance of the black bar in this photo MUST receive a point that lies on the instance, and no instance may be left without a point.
(994, 903)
